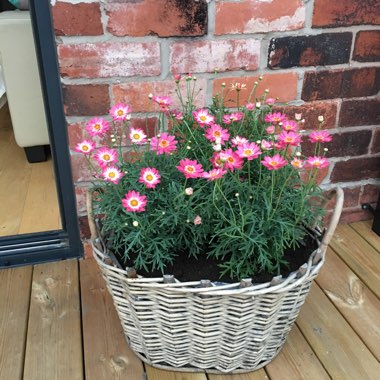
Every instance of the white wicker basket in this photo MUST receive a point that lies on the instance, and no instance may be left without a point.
(218, 329)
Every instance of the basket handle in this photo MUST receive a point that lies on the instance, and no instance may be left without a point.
(90, 212)
(338, 192)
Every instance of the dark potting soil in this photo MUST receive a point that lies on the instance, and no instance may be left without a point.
(189, 268)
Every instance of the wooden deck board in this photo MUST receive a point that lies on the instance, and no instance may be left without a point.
(54, 339)
(106, 354)
(336, 335)
(337, 346)
(296, 360)
(15, 286)
(359, 306)
(359, 255)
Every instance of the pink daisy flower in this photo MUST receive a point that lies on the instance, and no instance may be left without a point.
(266, 145)
(85, 147)
(216, 160)
(214, 174)
(270, 130)
(97, 126)
(163, 101)
(232, 117)
(320, 137)
(275, 118)
(112, 174)
(133, 201)
(106, 156)
(270, 101)
(120, 112)
(190, 168)
(163, 144)
(289, 126)
(202, 117)
(137, 136)
(289, 138)
(274, 163)
(150, 177)
(217, 133)
(297, 163)
(316, 162)
(231, 160)
(236, 141)
(248, 151)
(250, 106)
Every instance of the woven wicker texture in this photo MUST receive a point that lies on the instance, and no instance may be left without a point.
(198, 326)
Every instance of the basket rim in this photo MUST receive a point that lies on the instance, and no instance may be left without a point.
(277, 285)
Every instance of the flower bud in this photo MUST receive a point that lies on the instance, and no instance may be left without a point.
(298, 116)
(135, 223)
(189, 191)
(150, 96)
(321, 118)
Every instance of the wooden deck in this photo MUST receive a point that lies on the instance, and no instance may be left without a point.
(57, 321)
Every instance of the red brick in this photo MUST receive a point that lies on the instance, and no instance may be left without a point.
(256, 16)
(80, 169)
(148, 125)
(86, 99)
(370, 194)
(360, 112)
(310, 112)
(376, 141)
(81, 197)
(77, 19)
(283, 86)
(76, 133)
(356, 169)
(164, 18)
(329, 13)
(84, 228)
(352, 215)
(343, 145)
(136, 93)
(351, 198)
(206, 56)
(367, 46)
(340, 83)
(87, 250)
(109, 59)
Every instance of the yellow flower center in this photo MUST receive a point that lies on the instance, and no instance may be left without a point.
(247, 152)
(149, 177)
(111, 175)
(230, 159)
(106, 157)
(85, 148)
(164, 143)
(203, 118)
(190, 169)
(97, 127)
(274, 163)
(134, 202)
(217, 133)
(120, 113)
(136, 136)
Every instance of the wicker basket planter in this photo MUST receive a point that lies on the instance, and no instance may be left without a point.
(200, 326)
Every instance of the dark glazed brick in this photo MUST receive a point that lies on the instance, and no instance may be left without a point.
(367, 46)
(360, 112)
(86, 99)
(333, 13)
(345, 144)
(356, 169)
(376, 141)
(323, 49)
(360, 82)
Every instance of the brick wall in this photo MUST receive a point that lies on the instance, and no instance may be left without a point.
(320, 56)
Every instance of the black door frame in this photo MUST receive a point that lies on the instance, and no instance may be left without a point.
(61, 244)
